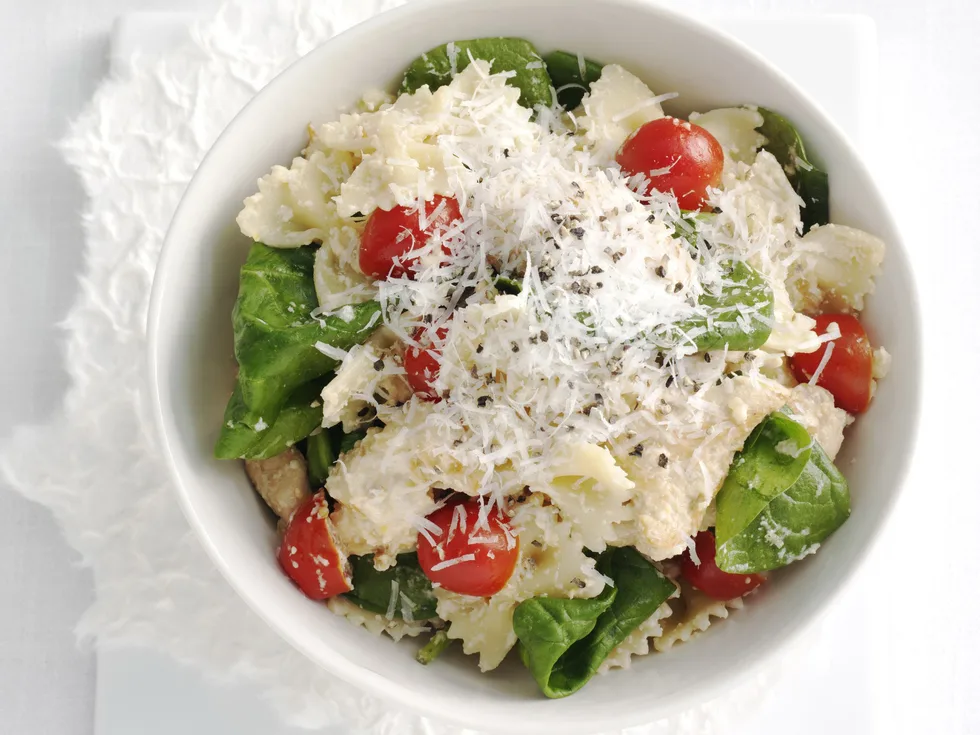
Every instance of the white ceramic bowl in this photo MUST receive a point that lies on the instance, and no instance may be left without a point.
(192, 364)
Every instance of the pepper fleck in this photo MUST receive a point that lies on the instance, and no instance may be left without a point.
(514, 347)
(595, 269)
(661, 271)
(482, 401)
(579, 232)
(678, 287)
(379, 365)
(707, 357)
(670, 381)
(660, 359)
(479, 349)
(543, 336)
(506, 152)
(637, 451)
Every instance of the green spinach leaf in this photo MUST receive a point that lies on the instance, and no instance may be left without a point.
(373, 590)
(507, 285)
(571, 76)
(563, 642)
(438, 643)
(320, 457)
(813, 185)
(345, 442)
(438, 66)
(782, 497)
(547, 627)
(240, 439)
(740, 314)
(275, 336)
(688, 226)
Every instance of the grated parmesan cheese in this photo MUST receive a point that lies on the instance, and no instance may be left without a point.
(824, 359)
(439, 566)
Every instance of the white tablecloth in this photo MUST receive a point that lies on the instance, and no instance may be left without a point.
(51, 59)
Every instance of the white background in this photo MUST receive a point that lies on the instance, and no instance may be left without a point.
(925, 645)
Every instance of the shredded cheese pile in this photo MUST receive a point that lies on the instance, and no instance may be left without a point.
(568, 361)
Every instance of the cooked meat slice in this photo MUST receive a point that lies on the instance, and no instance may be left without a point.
(281, 481)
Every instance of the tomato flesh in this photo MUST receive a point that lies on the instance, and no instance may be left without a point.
(848, 372)
(487, 554)
(422, 364)
(675, 157)
(711, 580)
(390, 236)
(310, 554)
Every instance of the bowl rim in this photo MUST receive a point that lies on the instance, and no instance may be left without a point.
(442, 707)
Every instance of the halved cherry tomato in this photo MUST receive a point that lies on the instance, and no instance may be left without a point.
(708, 578)
(847, 374)
(310, 554)
(391, 235)
(422, 365)
(468, 558)
(676, 156)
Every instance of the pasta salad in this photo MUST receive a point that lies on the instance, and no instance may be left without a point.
(528, 364)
